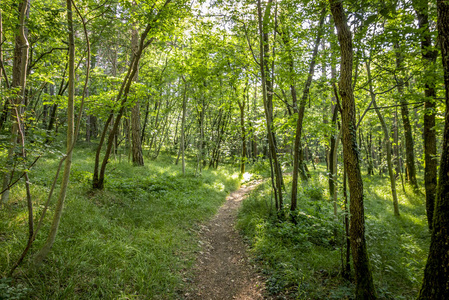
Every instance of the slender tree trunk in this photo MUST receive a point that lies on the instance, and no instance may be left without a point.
(243, 135)
(90, 119)
(436, 273)
(369, 153)
(70, 140)
(100, 145)
(386, 141)
(334, 175)
(429, 56)
(268, 106)
(297, 162)
(157, 108)
(147, 112)
(19, 77)
(409, 144)
(4, 112)
(183, 127)
(242, 127)
(363, 277)
(137, 156)
(333, 154)
(396, 160)
(200, 156)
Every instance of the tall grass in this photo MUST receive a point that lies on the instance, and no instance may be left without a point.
(303, 261)
(137, 239)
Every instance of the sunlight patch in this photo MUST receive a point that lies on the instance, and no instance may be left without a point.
(247, 176)
(219, 186)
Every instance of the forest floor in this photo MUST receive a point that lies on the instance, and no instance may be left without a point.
(223, 269)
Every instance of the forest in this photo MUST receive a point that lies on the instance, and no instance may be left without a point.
(124, 125)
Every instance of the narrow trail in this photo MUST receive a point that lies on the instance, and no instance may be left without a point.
(223, 270)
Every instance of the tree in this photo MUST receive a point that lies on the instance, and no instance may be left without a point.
(363, 278)
(70, 140)
(386, 140)
(436, 273)
(297, 163)
(137, 156)
(267, 95)
(155, 19)
(429, 56)
(19, 76)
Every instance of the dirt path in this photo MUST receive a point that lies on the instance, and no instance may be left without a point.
(222, 270)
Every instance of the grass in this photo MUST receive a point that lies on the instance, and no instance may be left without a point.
(137, 239)
(303, 261)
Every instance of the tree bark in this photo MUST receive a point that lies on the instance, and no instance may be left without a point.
(183, 127)
(334, 142)
(363, 277)
(436, 273)
(395, 132)
(429, 56)
(137, 157)
(243, 134)
(19, 77)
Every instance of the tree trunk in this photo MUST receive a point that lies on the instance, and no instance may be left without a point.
(4, 112)
(429, 56)
(409, 144)
(137, 157)
(267, 95)
(90, 119)
(183, 127)
(386, 141)
(70, 140)
(297, 163)
(363, 277)
(243, 135)
(436, 273)
(19, 76)
(395, 132)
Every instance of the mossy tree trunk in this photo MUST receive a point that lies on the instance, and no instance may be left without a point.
(363, 277)
(436, 273)
(429, 56)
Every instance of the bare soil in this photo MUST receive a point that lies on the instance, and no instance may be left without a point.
(223, 269)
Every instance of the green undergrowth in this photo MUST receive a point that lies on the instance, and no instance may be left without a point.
(303, 260)
(137, 239)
